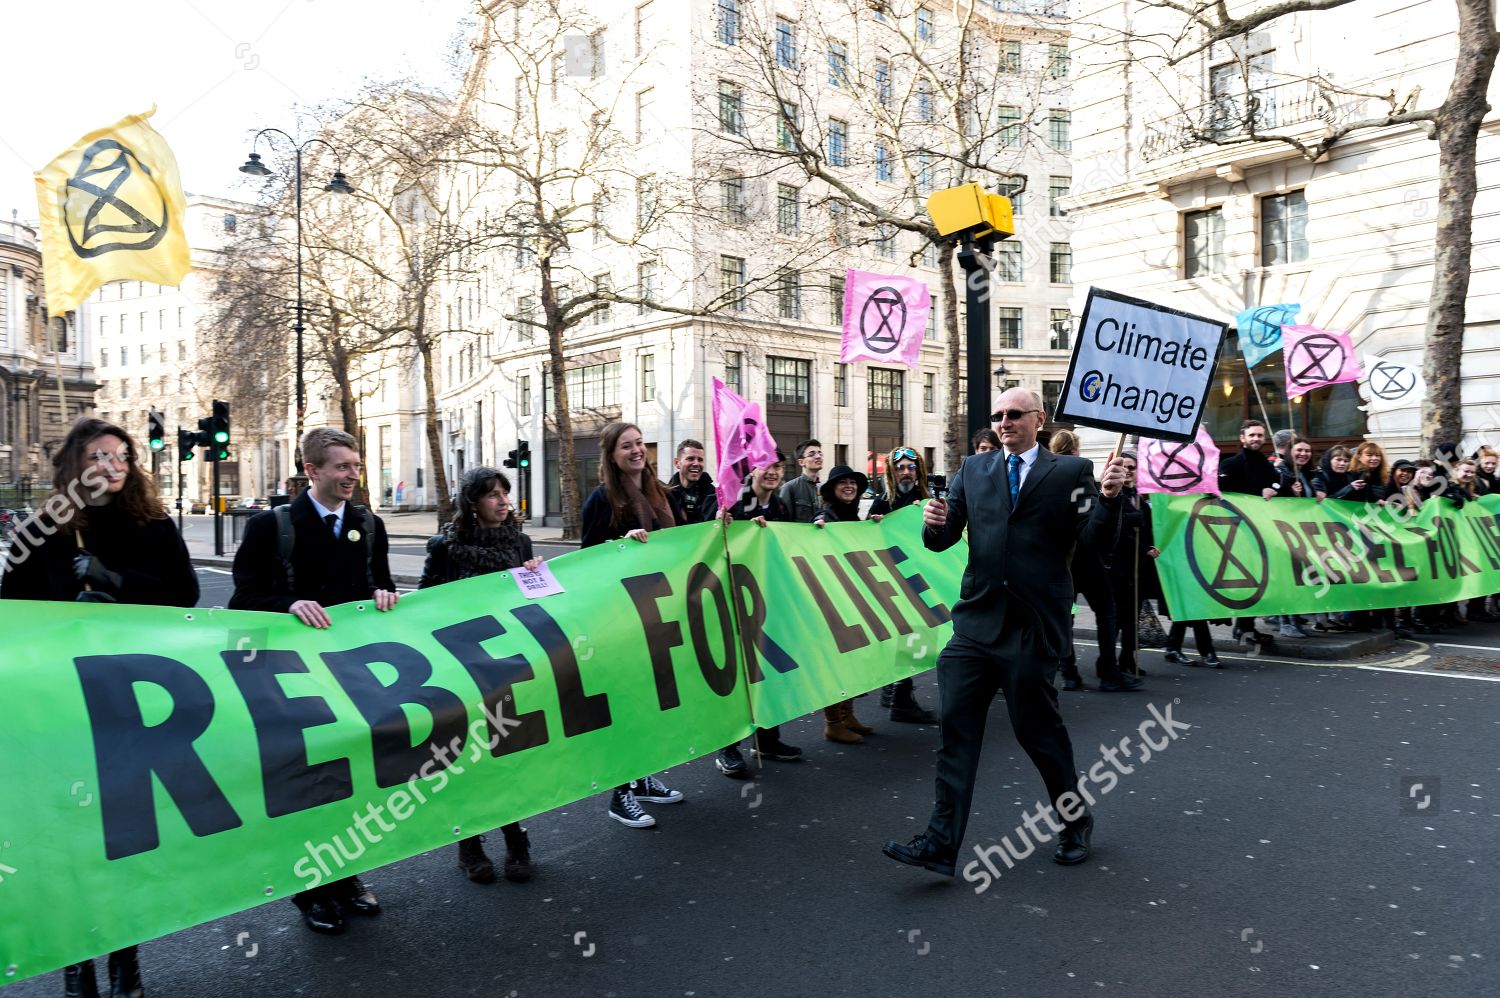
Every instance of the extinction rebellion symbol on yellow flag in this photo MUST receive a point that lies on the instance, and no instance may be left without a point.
(111, 209)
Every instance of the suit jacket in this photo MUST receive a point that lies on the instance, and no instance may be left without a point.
(329, 570)
(1019, 558)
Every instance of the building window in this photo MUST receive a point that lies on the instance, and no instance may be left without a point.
(929, 392)
(1203, 243)
(182, 350)
(885, 390)
(596, 54)
(643, 113)
(731, 109)
(642, 28)
(648, 378)
(525, 317)
(882, 161)
(788, 210)
(788, 124)
(103, 358)
(732, 200)
(1059, 63)
(1010, 57)
(525, 394)
(786, 44)
(930, 255)
(593, 387)
(729, 22)
(1061, 260)
(838, 64)
(734, 377)
(645, 202)
(789, 293)
(836, 300)
(924, 173)
(1008, 261)
(601, 314)
(732, 281)
(883, 82)
(1060, 130)
(788, 381)
(1007, 329)
(124, 350)
(924, 24)
(838, 143)
(924, 100)
(1051, 393)
(179, 317)
(1008, 119)
(645, 279)
(1283, 228)
(838, 221)
(885, 241)
(1015, 190)
(930, 333)
(841, 385)
(1057, 189)
(1062, 330)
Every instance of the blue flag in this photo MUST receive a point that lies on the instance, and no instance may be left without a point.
(1260, 330)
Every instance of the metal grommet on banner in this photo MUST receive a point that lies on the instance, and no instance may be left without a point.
(270, 891)
(11, 971)
(457, 830)
(360, 607)
(187, 616)
(596, 784)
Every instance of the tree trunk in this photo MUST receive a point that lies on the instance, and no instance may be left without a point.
(567, 471)
(434, 439)
(955, 410)
(1457, 132)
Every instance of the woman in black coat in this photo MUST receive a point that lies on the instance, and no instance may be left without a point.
(484, 537)
(102, 536)
(629, 502)
(841, 492)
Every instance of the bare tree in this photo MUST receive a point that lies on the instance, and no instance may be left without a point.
(1182, 32)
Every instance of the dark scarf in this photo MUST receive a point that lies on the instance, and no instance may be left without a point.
(487, 549)
(652, 513)
(841, 512)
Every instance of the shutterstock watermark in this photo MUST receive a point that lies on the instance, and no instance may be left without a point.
(314, 868)
(56, 513)
(1102, 777)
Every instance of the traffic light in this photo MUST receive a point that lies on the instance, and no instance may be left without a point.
(218, 435)
(187, 441)
(523, 454)
(513, 459)
(156, 432)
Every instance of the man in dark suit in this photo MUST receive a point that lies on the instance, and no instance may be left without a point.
(1025, 508)
(338, 553)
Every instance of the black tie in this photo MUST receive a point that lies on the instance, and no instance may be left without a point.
(332, 520)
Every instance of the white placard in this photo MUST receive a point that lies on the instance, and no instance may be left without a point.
(535, 585)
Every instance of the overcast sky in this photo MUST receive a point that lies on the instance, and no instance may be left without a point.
(217, 70)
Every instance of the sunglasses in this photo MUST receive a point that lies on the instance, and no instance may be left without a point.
(1014, 415)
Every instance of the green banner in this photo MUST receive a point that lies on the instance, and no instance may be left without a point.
(241, 757)
(1242, 556)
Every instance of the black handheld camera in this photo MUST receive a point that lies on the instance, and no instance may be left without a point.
(938, 486)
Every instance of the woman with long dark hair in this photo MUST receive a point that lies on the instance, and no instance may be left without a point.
(102, 534)
(484, 536)
(629, 502)
(841, 495)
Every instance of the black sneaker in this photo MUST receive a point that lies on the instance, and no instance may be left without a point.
(1178, 658)
(776, 750)
(654, 791)
(1212, 661)
(732, 764)
(624, 808)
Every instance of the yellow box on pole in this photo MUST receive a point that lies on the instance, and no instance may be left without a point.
(967, 208)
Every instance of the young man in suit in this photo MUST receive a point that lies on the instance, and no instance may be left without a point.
(338, 553)
(1025, 508)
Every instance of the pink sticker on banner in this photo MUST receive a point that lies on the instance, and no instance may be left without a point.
(742, 441)
(1178, 468)
(1315, 358)
(884, 318)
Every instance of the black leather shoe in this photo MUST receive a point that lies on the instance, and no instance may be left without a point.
(358, 898)
(125, 974)
(1073, 844)
(1073, 685)
(1212, 661)
(913, 713)
(324, 917)
(1178, 658)
(1125, 684)
(79, 980)
(921, 851)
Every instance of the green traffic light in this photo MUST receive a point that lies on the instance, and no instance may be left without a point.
(221, 436)
(525, 462)
(157, 443)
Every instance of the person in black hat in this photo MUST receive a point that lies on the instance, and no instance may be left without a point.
(841, 494)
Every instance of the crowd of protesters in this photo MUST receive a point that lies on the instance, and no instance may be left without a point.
(118, 545)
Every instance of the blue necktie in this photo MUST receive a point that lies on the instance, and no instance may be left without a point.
(1015, 478)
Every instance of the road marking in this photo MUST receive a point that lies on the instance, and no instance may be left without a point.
(1470, 647)
(216, 571)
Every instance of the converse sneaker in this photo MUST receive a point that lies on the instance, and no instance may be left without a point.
(731, 763)
(654, 791)
(624, 808)
(769, 746)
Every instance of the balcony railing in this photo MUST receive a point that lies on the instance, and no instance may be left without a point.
(1233, 117)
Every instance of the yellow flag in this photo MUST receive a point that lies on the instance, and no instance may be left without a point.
(112, 209)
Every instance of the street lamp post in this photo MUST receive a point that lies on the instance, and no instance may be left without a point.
(338, 185)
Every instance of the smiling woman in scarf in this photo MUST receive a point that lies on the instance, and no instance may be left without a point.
(629, 502)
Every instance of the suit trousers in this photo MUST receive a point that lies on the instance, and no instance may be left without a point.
(969, 676)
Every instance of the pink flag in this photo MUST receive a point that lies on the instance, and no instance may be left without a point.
(1178, 468)
(741, 440)
(1316, 357)
(884, 318)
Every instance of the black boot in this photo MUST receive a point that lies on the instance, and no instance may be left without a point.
(125, 974)
(472, 860)
(79, 981)
(887, 695)
(904, 706)
(517, 854)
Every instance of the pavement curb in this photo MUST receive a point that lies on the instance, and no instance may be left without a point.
(226, 562)
(1312, 649)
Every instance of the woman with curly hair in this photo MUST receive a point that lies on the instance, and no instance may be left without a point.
(102, 536)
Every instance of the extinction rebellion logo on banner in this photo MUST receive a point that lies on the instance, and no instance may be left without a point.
(1226, 554)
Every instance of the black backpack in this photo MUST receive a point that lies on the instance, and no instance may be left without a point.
(286, 537)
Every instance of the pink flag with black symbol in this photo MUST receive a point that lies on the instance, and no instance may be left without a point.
(1178, 467)
(1316, 357)
(742, 441)
(884, 318)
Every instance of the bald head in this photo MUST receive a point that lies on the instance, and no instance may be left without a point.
(1018, 435)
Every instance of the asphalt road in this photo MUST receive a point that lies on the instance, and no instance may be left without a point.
(1280, 847)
